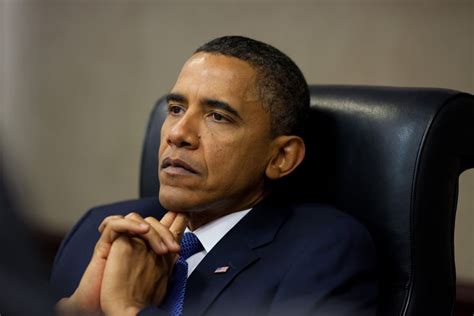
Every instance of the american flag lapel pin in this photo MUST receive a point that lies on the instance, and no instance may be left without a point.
(221, 269)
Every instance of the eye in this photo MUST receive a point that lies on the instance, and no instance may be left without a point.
(175, 109)
(217, 117)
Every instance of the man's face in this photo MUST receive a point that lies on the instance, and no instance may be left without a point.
(215, 141)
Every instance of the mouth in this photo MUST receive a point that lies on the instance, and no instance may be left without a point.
(177, 166)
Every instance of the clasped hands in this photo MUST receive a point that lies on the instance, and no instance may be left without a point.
(130, 267)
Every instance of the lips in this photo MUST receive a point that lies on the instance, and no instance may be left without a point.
(177, 163)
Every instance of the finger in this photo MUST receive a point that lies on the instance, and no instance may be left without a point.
(134, 215)
(130, 277)
(116, 226)
(166, 236)
(106, 220)
(153, 238)
(179, 225)
(168, 219)
(131, 215)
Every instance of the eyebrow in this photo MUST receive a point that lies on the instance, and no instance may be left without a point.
(217, 104)
(221, 105)
(176, 97)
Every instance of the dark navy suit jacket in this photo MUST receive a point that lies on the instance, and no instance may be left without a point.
(307, 259)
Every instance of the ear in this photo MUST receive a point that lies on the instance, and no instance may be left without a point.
(287, 154)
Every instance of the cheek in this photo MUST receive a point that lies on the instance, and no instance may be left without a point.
(219, 153)
(219, 158)
(230, 161)
(161, 149)
(163, 143)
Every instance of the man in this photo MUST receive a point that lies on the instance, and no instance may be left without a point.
(234, 127)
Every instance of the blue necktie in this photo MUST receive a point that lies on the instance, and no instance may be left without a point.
(190, 245)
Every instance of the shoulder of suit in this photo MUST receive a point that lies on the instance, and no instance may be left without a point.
(322, 219)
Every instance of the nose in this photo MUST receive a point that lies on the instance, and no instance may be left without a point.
(184, 131)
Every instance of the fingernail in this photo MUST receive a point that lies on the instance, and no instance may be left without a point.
(143, 226)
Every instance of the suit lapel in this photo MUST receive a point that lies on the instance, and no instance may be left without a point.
(236, 250)
(204, 285)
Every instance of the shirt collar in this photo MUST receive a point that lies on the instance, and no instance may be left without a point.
(210, 233)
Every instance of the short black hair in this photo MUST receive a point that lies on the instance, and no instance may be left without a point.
(280, 83)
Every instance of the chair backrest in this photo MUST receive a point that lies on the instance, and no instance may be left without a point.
(391, 157)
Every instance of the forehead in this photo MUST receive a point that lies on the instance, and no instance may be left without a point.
(217, 76)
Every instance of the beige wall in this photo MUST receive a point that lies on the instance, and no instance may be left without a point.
(79, 79)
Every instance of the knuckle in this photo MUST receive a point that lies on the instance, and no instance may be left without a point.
(102, 248)
(132, 215)
(151, 219)
(111, 218)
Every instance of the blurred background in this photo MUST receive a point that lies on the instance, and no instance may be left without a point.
(79, 78)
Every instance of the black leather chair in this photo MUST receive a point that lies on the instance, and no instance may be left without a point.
(390, 157)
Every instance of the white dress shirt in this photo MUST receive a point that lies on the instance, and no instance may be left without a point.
(210, 234)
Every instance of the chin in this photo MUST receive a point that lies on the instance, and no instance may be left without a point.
(175, 200)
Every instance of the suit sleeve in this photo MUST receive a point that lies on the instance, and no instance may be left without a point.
(73, 256)
(344, 267)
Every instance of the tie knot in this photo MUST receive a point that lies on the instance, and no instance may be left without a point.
(190, 245)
